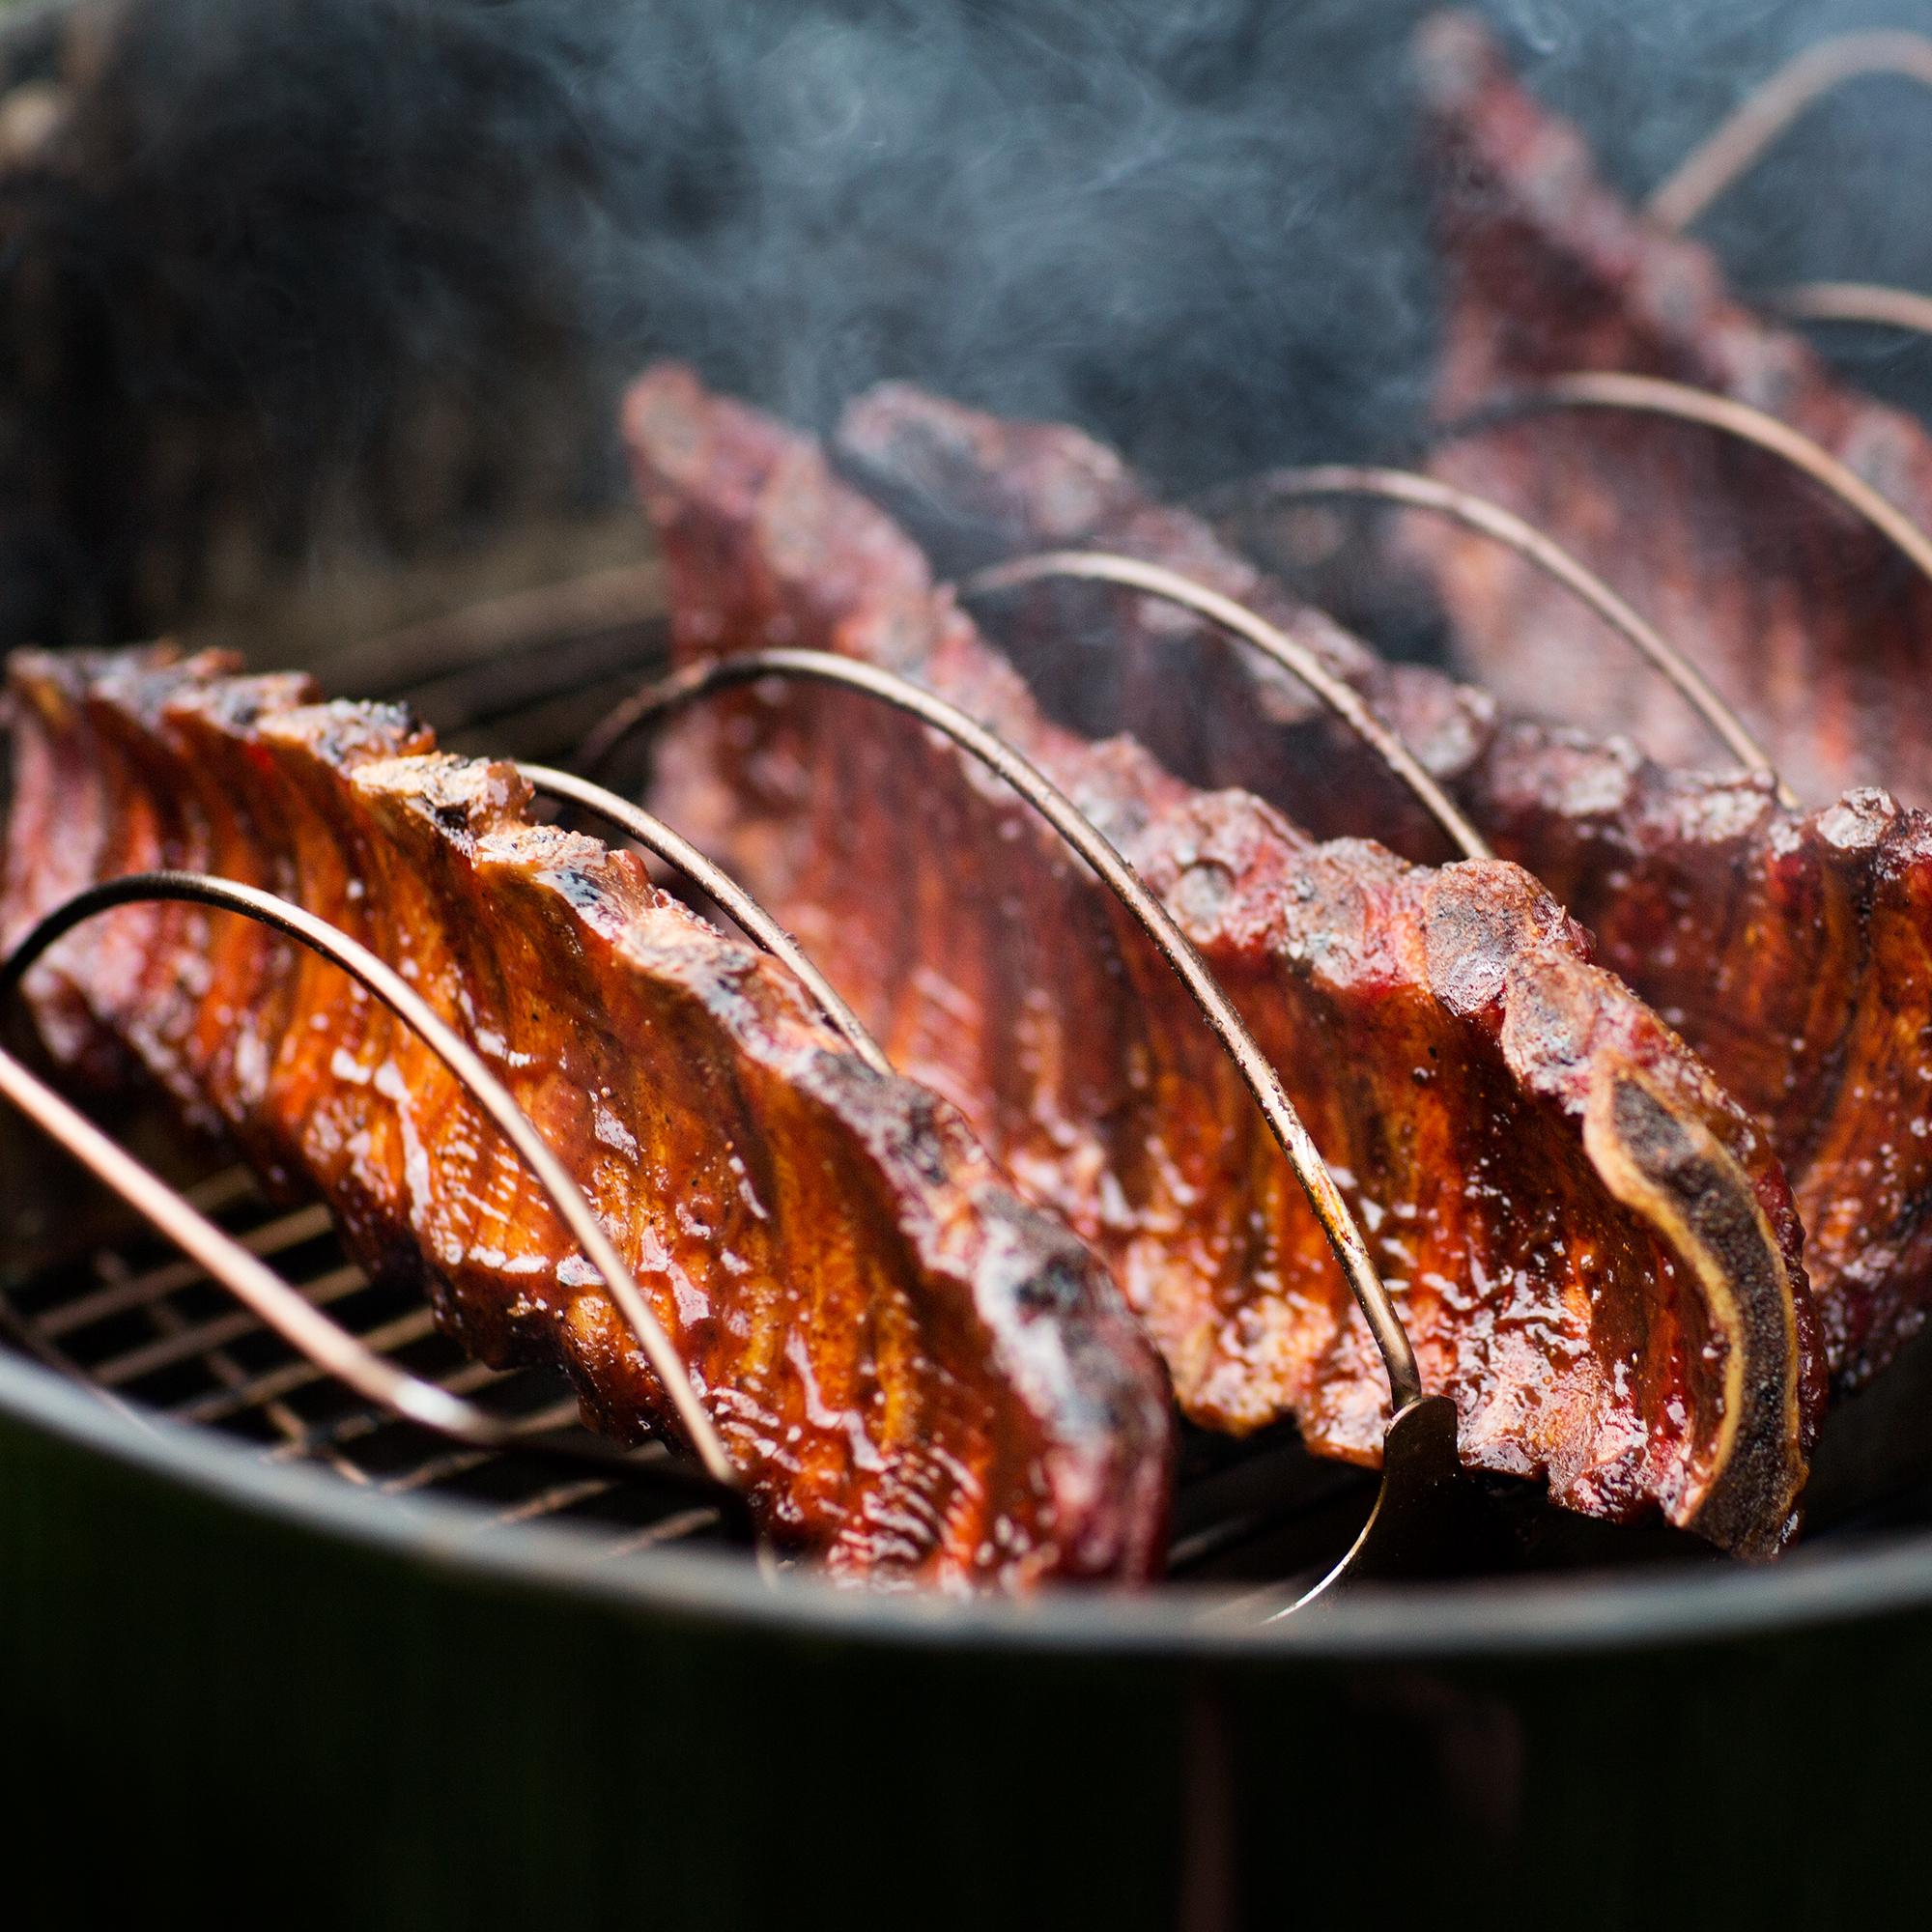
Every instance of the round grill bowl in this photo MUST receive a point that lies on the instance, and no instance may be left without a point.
(251, 1690)
(254, 1682)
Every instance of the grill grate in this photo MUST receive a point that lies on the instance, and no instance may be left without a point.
(155, 1333)
(534, 675)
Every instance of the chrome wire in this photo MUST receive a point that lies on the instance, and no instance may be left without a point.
(386, 985)
(1415, 492)
(1743, 137)
(1345, 1237)
(1155, 579)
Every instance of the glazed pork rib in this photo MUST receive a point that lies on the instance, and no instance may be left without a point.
(1792, 950)
(1807, 619)
(917, 1374)
(1593, 1250)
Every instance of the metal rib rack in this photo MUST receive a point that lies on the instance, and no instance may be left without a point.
(154, 1332)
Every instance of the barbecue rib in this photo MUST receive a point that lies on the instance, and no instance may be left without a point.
(917, 1374)
(1807, 619)
(1594, 1251)
(1794, 950)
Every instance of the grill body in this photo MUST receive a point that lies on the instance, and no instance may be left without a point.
(255, 1684)
(256, 1680)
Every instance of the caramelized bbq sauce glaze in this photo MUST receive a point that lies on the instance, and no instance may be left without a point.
(1793, 951)
(1593, 1250)
(918, 1374)
(1806, 618)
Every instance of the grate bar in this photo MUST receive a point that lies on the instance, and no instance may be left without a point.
(229, 1372)
(134, 1291)
(466, 1378)
(454, 1463)
(226, 1188)
(654, 1536)
(223, 1404)
(626, 597)
(185, 1341)
(550, 1502)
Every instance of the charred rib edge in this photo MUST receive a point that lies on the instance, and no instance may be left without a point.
(758, 926)
(1678, 1175)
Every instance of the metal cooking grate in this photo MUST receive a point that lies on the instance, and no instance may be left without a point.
(151, 1330)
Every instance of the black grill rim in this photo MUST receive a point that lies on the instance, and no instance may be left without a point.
(1560, 1616)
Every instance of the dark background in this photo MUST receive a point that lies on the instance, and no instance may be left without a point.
(305, 280)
